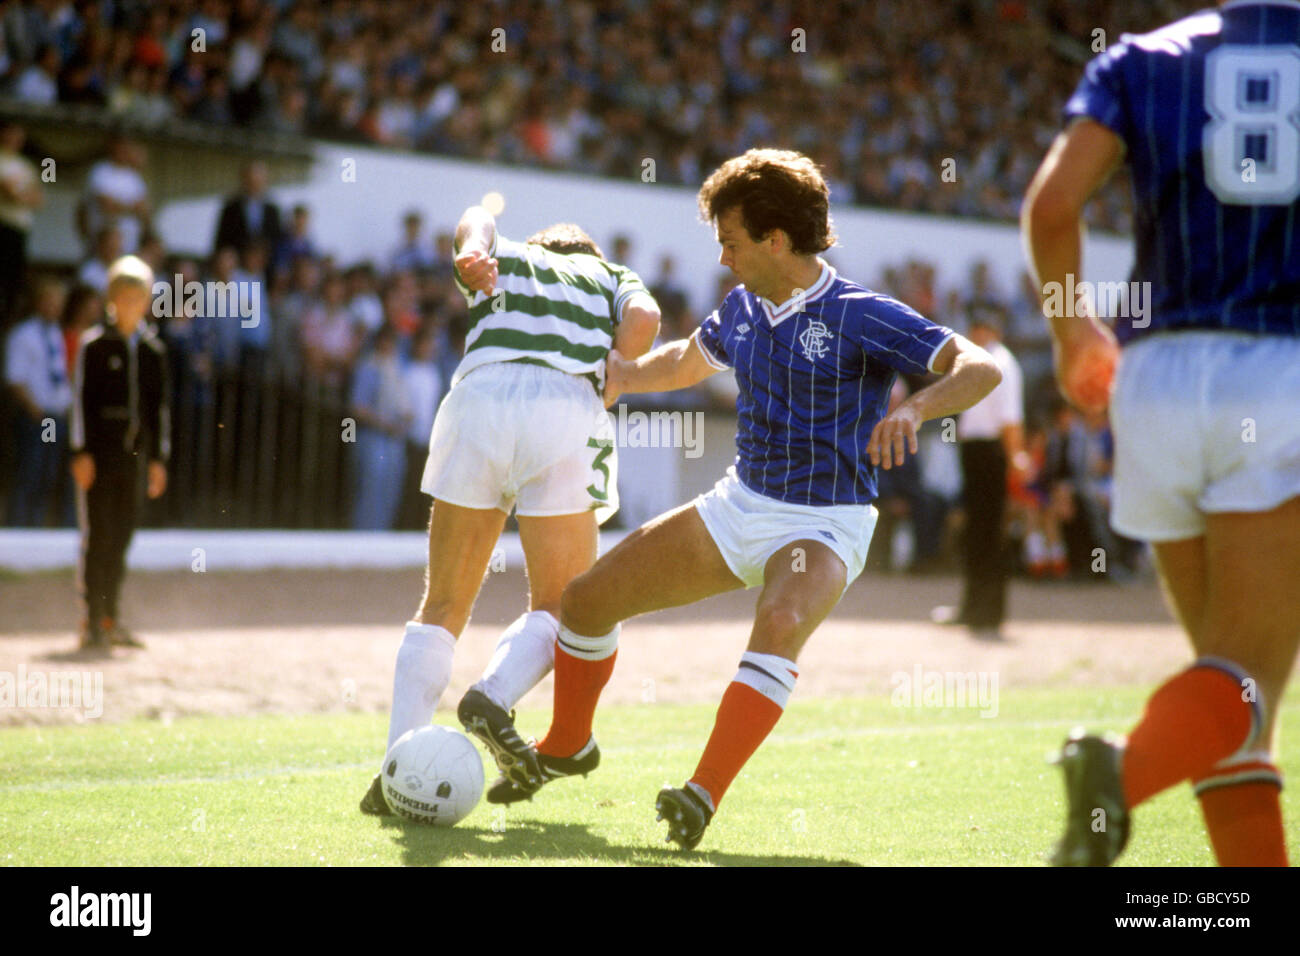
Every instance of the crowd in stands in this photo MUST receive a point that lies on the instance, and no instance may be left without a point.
(882, 94)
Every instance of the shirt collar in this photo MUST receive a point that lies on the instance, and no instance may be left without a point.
(777, 313)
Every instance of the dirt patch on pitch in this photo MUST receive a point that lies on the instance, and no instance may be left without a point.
(324, 640)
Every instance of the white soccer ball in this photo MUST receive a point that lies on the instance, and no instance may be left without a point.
(433, 775)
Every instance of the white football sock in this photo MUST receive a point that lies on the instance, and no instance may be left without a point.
(421, 675)
(596, 648)
(771, 675)
(525, 654)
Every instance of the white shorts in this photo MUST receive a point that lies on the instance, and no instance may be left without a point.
(513, 434)
(1204, 422)
(749, 528)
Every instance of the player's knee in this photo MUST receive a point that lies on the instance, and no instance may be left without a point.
(580, 607)
(777, 628)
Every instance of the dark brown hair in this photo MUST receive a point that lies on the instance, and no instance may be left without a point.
(774, 189)
(566, 239)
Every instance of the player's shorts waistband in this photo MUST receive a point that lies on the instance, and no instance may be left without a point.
(513, 364)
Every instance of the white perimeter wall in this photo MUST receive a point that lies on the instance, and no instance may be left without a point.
(359, 220)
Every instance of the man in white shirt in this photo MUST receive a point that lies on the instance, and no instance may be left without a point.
(36, 371)
(116, 194)
(991, 434)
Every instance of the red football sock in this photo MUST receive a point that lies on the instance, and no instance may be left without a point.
(1192, 721)
(1244, 816)
(578, 683)
(745, 718)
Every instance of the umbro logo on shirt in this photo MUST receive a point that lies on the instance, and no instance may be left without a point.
(742, 328)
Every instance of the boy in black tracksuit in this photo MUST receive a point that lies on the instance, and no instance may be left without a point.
(119, 416)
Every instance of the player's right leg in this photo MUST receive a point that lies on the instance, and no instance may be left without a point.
(1251, 617)
(460, 547)
(557, 548)
(669, 561)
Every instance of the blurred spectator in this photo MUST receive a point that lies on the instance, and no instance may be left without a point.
(83, 308)
(36, 372)
(255, 329)
(20, 196)
(991, 434)
(249, 214)
(297, 243)
(413, 254)
(1037, 511)
(424, 384)
(152, 252)
(116, 194)
(329, 335)
(381, 404)
(39, 83)
(227, 337)
(106, 250)
(363, 301)
(676, 321)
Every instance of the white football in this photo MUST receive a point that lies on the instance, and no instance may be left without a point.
(433, 775)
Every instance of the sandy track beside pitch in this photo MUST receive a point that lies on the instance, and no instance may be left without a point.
(324, 640)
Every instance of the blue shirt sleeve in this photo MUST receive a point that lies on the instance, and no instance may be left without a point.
(899, 336)
(710, 335)
(1100, 94)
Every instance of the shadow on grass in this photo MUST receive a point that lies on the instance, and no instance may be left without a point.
(531, 841)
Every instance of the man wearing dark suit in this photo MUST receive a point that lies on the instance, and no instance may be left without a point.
(249, 216)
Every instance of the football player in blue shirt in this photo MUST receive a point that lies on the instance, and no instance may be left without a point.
(1205, 401)
(815, 356)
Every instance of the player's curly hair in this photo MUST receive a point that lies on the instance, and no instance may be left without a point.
(774, 189)
(566, 239)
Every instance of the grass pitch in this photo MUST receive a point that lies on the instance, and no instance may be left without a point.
(843, 781)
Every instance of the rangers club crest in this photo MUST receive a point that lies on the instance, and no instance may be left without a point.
(813, 340)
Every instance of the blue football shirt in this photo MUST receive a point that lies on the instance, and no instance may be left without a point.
(814, 377)
(1209, 110)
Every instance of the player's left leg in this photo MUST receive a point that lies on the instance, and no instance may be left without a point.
(802, 583)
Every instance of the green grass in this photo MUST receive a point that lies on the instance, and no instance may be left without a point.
(854, 781)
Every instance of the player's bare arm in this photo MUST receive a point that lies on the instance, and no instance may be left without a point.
(1080, 161)
(674, 365)
(475, 234)
(969, 373)
(638, 327)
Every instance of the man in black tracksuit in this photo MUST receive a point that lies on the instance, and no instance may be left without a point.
(120, 417)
